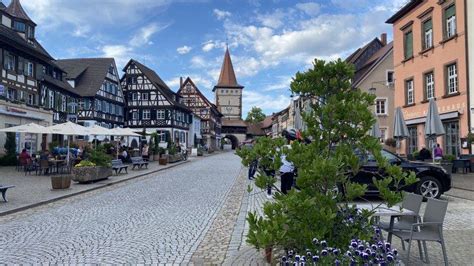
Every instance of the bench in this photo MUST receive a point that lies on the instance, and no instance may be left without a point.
(138, 161)
(4, 189)
(118, 166)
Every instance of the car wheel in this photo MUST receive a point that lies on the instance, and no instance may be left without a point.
(429, 187)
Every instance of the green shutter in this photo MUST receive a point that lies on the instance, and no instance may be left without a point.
(408, 45)
(427, 25)
(450, 11)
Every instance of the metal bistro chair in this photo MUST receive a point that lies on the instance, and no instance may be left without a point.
(412, 202)
(43, 167)
(431, 229)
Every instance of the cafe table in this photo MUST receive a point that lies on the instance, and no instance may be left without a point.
(56, 162)
(382, 210)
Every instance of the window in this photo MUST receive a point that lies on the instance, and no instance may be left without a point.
(31, 99)
(29, 69)
(134, 115)
(30, 32)
(450, 21)
(383, 134)
(111, 70)
(429, 86)
(452, 81)
(451, 138)
(9, 63)
(412, 140)
(390, 77)
(160, 114)
(146, 114)
(381, 107)
(11, 94)
(63, 103)
(51, 99)
(19, 26)
(427, 34)
(135, 96)
(145, 96)
(408, 45)
(410, 92)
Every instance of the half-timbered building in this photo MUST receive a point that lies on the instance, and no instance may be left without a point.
(152, 105)
(32, 86)
(97, 82)
(211, 123)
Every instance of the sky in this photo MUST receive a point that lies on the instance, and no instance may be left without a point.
(269, 40)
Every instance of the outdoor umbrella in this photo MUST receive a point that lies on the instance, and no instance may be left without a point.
(126, 132)
(375, 130)
(400, 129)
(69, 129)
(433, 127)
(97, 130)
(31, 128)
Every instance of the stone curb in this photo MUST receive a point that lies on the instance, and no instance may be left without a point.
(34, 205)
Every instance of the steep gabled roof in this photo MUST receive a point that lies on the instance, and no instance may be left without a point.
(2, 6)
(61, 84)
(88, 73)
(267, 122)
(16, 10)
(373, 62)
(189, 80)
(352, 59)
(227, 77)
(31, 47)
(158, 82)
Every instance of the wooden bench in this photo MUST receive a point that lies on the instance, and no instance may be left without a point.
(4, 189)
(118, 166)
(138, 161)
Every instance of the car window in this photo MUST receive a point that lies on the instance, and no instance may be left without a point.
(390, 157)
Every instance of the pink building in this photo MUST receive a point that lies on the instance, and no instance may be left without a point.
(430, 62)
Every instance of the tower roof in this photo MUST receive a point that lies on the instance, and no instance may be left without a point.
(227, 77)
(16, 10)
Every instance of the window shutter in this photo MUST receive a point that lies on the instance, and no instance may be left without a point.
(450, 11)
(408, 45)
(428, 25)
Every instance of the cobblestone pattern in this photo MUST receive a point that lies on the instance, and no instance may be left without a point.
(160, 219)
(213, 248)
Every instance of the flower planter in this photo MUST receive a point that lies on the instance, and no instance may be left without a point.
(90, 174)
(174, 158)
(61, 181)
(156, 157)
(163, 159)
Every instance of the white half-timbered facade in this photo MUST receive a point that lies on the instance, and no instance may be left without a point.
(211, 123)
(97, 82)
(152, 105)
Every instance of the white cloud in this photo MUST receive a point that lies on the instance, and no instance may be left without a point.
(282, 83)
(268, 102)
(144, 34)
(309, 8)
(221, 14)
(121, 53)
(208, 46)
(272, 20)
(184, 49)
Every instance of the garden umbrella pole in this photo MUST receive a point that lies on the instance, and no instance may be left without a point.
(433, 126)
(400, 129)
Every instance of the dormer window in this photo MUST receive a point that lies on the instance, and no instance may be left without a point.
(19, 26)
(30, 32)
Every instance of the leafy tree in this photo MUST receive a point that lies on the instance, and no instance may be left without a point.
(255, 115)
(10, 147)
(337, 124)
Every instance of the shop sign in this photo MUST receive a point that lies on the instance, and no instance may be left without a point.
(14, 110)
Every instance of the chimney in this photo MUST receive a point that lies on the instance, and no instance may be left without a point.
(180, 82)
(383, 38)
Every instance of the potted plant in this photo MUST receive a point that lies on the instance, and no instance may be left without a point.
(61, 181)
(447, 163)
(200, 151)
(98, 167)
(163, 157)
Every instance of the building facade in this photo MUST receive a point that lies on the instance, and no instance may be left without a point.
(96, 81)
(429, 54)
(228, 93)
(210, 117)
(470, 60)
(152, 105)
(375, 75)
(32, 86)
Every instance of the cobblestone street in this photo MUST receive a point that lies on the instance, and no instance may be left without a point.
(161, 218)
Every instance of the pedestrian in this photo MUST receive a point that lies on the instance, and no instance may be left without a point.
(424, 154)
(438, 153)
(287, 169)
(145, 155)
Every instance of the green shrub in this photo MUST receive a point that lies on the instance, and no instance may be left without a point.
(99, 158)
(449, 157)
(10, 147)
(85, 163)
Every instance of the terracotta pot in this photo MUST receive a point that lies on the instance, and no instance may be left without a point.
(156, 157)
(61, 181)
(163, 161)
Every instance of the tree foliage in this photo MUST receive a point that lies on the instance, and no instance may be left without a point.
(255, 115)
(337, 125)
(10, 148)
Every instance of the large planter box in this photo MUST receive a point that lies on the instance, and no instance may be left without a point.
(448, 166)
(174, 158)
(61, 181)
(90, 174)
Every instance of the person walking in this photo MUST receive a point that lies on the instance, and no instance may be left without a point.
(145, 155)
(438, 153)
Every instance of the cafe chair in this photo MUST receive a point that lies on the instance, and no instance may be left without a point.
(431, 229)
(412, 202)
(43, 167)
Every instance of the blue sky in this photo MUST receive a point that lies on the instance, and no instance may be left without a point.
(270, 40)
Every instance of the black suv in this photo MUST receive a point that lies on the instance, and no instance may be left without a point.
(433, 179)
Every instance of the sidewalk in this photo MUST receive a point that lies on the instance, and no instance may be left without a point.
(33, 190)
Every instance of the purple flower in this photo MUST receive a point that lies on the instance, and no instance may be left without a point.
(308, 253)
(303, 258)
(349, 254)
(389, 257)
(324, 243)
(365, 256)
(357, 253)
(353, 262)
(354, 244)
(297, 258)
(283, 259)
(374, 247)
(330, 250)
(335, 251)
(337, 262)
(361, 247)
(373, 254)
(315, 241)
(315, 258)
(395, 252)
(324, 252)
(387, 245)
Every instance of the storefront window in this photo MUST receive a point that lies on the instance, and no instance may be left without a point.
(451, 139)
(412, 140)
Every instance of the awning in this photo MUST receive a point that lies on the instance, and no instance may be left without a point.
(422, 120)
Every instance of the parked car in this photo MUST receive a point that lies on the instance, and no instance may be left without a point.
(433, 179)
